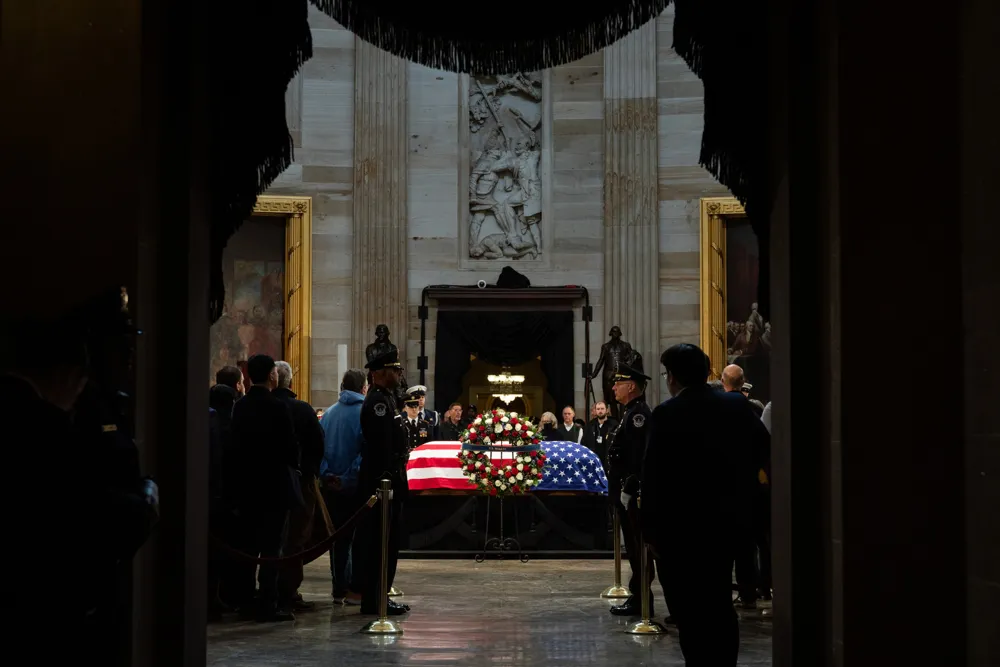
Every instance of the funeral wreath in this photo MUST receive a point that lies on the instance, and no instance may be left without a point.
(501, 454)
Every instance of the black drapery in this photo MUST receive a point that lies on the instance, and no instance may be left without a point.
(503, 337)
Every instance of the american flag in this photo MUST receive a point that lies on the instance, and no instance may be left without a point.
(569, 467)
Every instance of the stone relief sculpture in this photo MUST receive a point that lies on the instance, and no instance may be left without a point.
(505, 187)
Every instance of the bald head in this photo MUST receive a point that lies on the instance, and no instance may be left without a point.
(732, 377)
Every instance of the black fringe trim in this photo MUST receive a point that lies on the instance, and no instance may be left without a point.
(416, 32)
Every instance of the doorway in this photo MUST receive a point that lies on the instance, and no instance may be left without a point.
(732, 328)
(267, 271)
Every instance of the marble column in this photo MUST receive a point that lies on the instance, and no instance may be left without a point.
(631, 249)
(380, 147)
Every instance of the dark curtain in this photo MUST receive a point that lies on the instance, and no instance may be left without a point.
(501, 338)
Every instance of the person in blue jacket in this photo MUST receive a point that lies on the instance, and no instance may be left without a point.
(339, 472)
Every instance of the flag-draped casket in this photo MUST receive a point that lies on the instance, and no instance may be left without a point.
(568, 467)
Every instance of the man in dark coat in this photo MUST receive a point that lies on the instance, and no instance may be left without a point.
(301, 521)
(383, 455)
(699, 477)
(265, 459)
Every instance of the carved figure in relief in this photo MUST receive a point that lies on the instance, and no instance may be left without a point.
(508, 153)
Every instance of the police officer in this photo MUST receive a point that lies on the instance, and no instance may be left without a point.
(418, 429)
(383, 455)
(625, 454)
(432, 417)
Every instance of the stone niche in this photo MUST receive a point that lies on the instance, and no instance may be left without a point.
(505, 169)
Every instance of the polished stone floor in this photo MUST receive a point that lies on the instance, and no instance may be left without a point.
(506, 613)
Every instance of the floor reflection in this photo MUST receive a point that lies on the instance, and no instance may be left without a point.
(502, 613)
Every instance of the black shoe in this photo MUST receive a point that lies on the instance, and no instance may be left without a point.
(275, 616)
(632, 607)
(390, 610)
(404, 607)
(302, 605)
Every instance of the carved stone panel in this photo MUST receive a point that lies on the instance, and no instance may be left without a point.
(506, 166)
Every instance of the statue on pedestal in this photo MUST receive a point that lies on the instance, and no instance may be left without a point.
(614, 352)
(377, 348)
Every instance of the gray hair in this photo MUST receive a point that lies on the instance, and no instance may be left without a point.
(717, 385)
(548, 417)
(284, 374)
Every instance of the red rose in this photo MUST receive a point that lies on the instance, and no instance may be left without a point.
(516, 489)
(471, 466)
(493, 490)
(533, 453)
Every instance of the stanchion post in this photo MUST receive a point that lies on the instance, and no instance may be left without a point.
(616, 591)
(645, 626)
(383, 625)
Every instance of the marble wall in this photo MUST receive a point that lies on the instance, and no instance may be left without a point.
(321, 118)
(682, 184)
(321, 106)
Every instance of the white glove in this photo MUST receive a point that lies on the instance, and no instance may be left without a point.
(625, 498)
(390, 494)
(151, 492)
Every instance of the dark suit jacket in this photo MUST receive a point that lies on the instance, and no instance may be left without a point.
(699, 475)
(264, 448)
(307, 430)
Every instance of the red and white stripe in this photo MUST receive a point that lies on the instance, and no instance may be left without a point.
(435, 465)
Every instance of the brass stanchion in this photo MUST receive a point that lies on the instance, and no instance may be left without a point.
(383, 625)
(395, 592)
(616, 591)
(645, 626)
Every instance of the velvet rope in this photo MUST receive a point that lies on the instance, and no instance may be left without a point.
(303, 557)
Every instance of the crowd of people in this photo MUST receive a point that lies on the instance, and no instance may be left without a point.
(689, 480)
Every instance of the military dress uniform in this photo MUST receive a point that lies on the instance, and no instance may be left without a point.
(625, 455)
(432, 418)
(384, 454)
(418, 430)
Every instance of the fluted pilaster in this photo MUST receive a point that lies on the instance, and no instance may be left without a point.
(631, 235)
(380, 147)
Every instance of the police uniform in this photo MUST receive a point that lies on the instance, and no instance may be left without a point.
(625, 454)
(384, 454)
(418, 430)
(432, 418)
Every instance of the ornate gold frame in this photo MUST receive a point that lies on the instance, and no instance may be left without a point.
(715, 211)
(297, 212)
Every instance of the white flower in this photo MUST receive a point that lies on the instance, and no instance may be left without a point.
(472, 429)
(511, 414)
(498, 482)
(478, 420)
(519, 459)
(530, 434)
(504, 420)
(520, 476)
(486, 441)
(520, 466)
(487, 469)
(508, 427)
(484, 482)
(503, 487)
(479, 464)
(498, 429)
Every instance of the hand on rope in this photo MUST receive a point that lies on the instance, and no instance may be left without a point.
(625, 499)
(303, 557)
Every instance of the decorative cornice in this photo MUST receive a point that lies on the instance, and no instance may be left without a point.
(724, 206)
(292, 205)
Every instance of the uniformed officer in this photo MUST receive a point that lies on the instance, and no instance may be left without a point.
(625, 454)
(432, 417)
(418, 429)
(383, 455)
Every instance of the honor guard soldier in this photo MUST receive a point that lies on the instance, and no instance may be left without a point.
(625, 454)
(384, 454)
(418, 430)
(432, 417)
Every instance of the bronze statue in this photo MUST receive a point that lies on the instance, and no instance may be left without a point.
(377, 348)
(381, 344)
(615, 351)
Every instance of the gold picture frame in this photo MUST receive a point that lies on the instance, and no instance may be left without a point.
(297, 213)
(715, 212)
